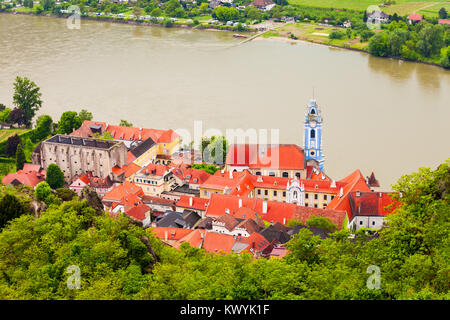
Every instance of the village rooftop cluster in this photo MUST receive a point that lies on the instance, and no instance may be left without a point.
(246, 206)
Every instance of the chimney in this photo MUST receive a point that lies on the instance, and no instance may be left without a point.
(264, 206)
(380, 194)
(165, 235)
(240, 203)
(284, 220)
(227, 210)
(190, 201)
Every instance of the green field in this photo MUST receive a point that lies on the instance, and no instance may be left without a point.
(405, 6)
(6, 133)
(433, 10)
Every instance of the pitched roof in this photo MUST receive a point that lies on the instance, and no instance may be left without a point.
(227, 221)
(120, 191)
(127, 170)
(371, 204)
(262, 3)
(126, 133)
(337, 217)
(171, 219)
(372, 181)
(415, 17)
(443, 21)
(190, 175)
(27, 176)
(272, 234)
(217, 242)
(171, 233)
(154, 169)
(194, 238)
(197, 203)
(255, 156)
(138, 212)
(142, 147)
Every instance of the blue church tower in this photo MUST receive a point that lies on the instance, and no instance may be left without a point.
(312, 144)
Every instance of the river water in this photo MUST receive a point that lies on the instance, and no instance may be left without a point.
(380, 115)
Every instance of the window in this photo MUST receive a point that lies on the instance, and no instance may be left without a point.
(274, 193)
(285, 174)
(313, 134)
(315, 196)
(306, 195)
(266, 192)
(313, 111)
(306, 205)
(297, 175)
(360, 223)
(271, 174)
(315, 205)
(258, 173)
(324, 197)
(284, 193)
(373, 223)
(332, 197)
(259, 191)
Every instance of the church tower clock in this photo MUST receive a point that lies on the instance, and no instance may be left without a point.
(313, 133)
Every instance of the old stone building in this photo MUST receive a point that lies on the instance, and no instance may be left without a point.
(76, 156)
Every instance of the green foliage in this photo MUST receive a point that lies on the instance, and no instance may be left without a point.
(11, 145)
(69, 122)
(55, 177)
(42, 191)
(125, 123)
(44, 125)
(337, 35)
(321, 222)
(65, 194)
(442, 13)
(379, 44)
(223, 13)
(210, 168)
(294, 222)
(20, 157)
(366, 35)
(85, 115)
(27, 97)
(10, 208)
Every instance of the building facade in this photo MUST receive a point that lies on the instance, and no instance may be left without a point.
(77, 156)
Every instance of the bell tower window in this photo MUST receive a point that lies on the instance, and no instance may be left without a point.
(313, 134)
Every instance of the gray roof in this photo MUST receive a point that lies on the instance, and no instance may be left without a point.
(170, 219)
(142, 147)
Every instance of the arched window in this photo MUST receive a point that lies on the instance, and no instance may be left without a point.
(313, 111)
(313, 134)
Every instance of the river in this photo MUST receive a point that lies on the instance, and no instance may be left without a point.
(380, 115)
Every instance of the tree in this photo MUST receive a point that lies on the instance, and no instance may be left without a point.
(321, 222)
(366, 35)
(379, 44)
(397, 38)
(28, 3)
(27, 97)
(2, 107)
(430, 40)
(442, 13)
(42, 191)
(252, 13)
(156, 12)
(4, 115)
(47, 4)
(125, 123)
(226, 13)
(11, 145)
(171, 6)
(85, 115)
(204, 7)
(69, 122)
(55, 177)
(20, 157)
(17, 116)
(43, 128)
(10, 208)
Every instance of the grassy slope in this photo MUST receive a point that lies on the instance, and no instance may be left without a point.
(6, 133)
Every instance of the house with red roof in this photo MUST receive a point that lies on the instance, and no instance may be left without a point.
(192, 177)
(192, 203)
(415, 18)
(158, 205)
(167, 141)
(228, 224)
(270, 211)
(443, 21)
(264, 5)
(368, 209)
(30, 175)
(126, 172)
(280, 160)
(126, 193)
(100, 185)
(154, 179)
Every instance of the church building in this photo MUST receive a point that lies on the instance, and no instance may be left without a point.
(312, 144)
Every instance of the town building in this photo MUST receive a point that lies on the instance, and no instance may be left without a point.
(369, 209)
(264, 5)
(154, 179)
(30, 176)
(100, 185)
(76, 156)
(415, 18)
(376, 17)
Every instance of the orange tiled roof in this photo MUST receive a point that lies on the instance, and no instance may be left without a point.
(190, 175)
(197, 203)
(194, 238)
(127, 133)
(122, 190)
(171, 233)
(154, 169)
(138, 212)
(415, 17)
(216, 242)
(30, 175)
(372, 203)
(282, 156)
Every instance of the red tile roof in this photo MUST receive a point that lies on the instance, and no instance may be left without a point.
(155, 169)
(138, 212)
(256, 241)
(337, 217)
(30, 175)
(127, 133)
(194, 238)
(170, 233)
(443, 21)
(217, 243)
(372, 203)
(354, 182)
(227, 221)
(415, 17)
(122, 190)
(127, 170)
(197, 203)
(282, 156)
(190, 175)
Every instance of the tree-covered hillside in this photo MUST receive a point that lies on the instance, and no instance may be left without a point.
(119, 260)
